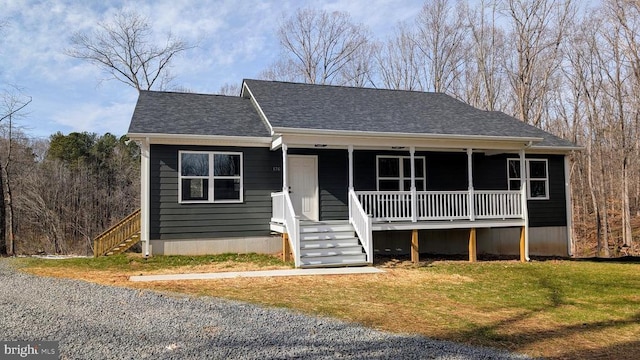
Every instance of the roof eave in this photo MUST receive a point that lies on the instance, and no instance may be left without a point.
(193, 139)
(320, 132)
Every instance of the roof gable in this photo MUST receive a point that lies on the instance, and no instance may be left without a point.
(159, 112)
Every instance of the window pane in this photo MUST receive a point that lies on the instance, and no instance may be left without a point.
(388, 167)
(194, 164)
(514, 185)
(419, 167)
(537, 169)
(406, 167)
(195, 189)
(226, 189)
(407, 185)
(226, 165)
(389, 185)
(538, 188)
(514, 169)
(419, 185)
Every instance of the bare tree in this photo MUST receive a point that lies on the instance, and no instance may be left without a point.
(440, 38)
(538, 28)
(13, 103)
(318, 45)
(484, 76)
(230, 89)
(124, 49)
(399, 61)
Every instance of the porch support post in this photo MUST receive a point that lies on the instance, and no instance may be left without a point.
(285, 175)
(145, 171)
(524, 233)
(350, 167)
(414, 207)
(286, 248)
(473, 257)
(415, 249)
(472, 208)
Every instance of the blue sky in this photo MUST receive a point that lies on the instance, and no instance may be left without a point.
(236, 40)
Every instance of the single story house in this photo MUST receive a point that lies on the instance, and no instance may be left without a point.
(336, 175)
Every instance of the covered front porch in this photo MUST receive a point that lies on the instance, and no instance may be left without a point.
(401, 198)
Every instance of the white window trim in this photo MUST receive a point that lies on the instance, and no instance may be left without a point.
(528, 177)
(401, 178)
(211, 177)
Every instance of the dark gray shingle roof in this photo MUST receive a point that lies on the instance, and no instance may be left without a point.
(195, 114)
(305, 106)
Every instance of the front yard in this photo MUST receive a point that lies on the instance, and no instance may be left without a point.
(554, 309)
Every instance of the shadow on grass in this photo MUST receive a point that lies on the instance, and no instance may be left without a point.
(498, 333)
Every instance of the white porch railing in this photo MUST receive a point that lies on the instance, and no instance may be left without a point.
(498, 204)
(443, 205)
(283, 212)
(362, 224)
(386, 205)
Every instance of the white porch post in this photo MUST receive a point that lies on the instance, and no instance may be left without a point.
(525, 210)
(472, 207)
(145, 169)
(414, 207)
(350, 149)
(350, 167)
(285, 185)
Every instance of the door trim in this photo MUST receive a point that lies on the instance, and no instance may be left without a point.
(317, 189)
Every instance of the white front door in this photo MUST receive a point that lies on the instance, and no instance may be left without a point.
(303, 185)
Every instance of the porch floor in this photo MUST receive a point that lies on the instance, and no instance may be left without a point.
(446, 224)
(421, 225)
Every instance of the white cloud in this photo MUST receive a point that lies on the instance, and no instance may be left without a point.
(236, 40)
(96, 117)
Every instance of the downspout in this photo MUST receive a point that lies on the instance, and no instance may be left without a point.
(523, 171)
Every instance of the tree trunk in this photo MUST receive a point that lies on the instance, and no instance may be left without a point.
(3, 241)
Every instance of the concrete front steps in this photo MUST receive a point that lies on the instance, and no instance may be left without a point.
(329, 244)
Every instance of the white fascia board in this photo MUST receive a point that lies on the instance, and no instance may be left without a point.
(364, 140)
(377, 134)
(276, 142)
(219, 140)
(263, 116)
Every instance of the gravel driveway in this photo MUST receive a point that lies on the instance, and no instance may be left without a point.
(100, 322)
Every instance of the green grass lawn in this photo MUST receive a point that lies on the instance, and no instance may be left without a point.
(555, 309)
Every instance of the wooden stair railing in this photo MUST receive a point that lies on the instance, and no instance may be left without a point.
(119, 237)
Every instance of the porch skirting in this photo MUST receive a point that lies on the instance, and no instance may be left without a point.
(543, 241)
(241, 245)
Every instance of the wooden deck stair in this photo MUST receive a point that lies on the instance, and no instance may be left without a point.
(118, 238)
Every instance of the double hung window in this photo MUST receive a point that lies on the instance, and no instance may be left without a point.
(210, 177)
(536, 177)
(394, 173)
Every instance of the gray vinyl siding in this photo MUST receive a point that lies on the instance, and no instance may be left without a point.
(490, 173)
(171, 220)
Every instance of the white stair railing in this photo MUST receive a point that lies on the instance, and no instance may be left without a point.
(277, 207)
(283, 212)
(362, 224)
